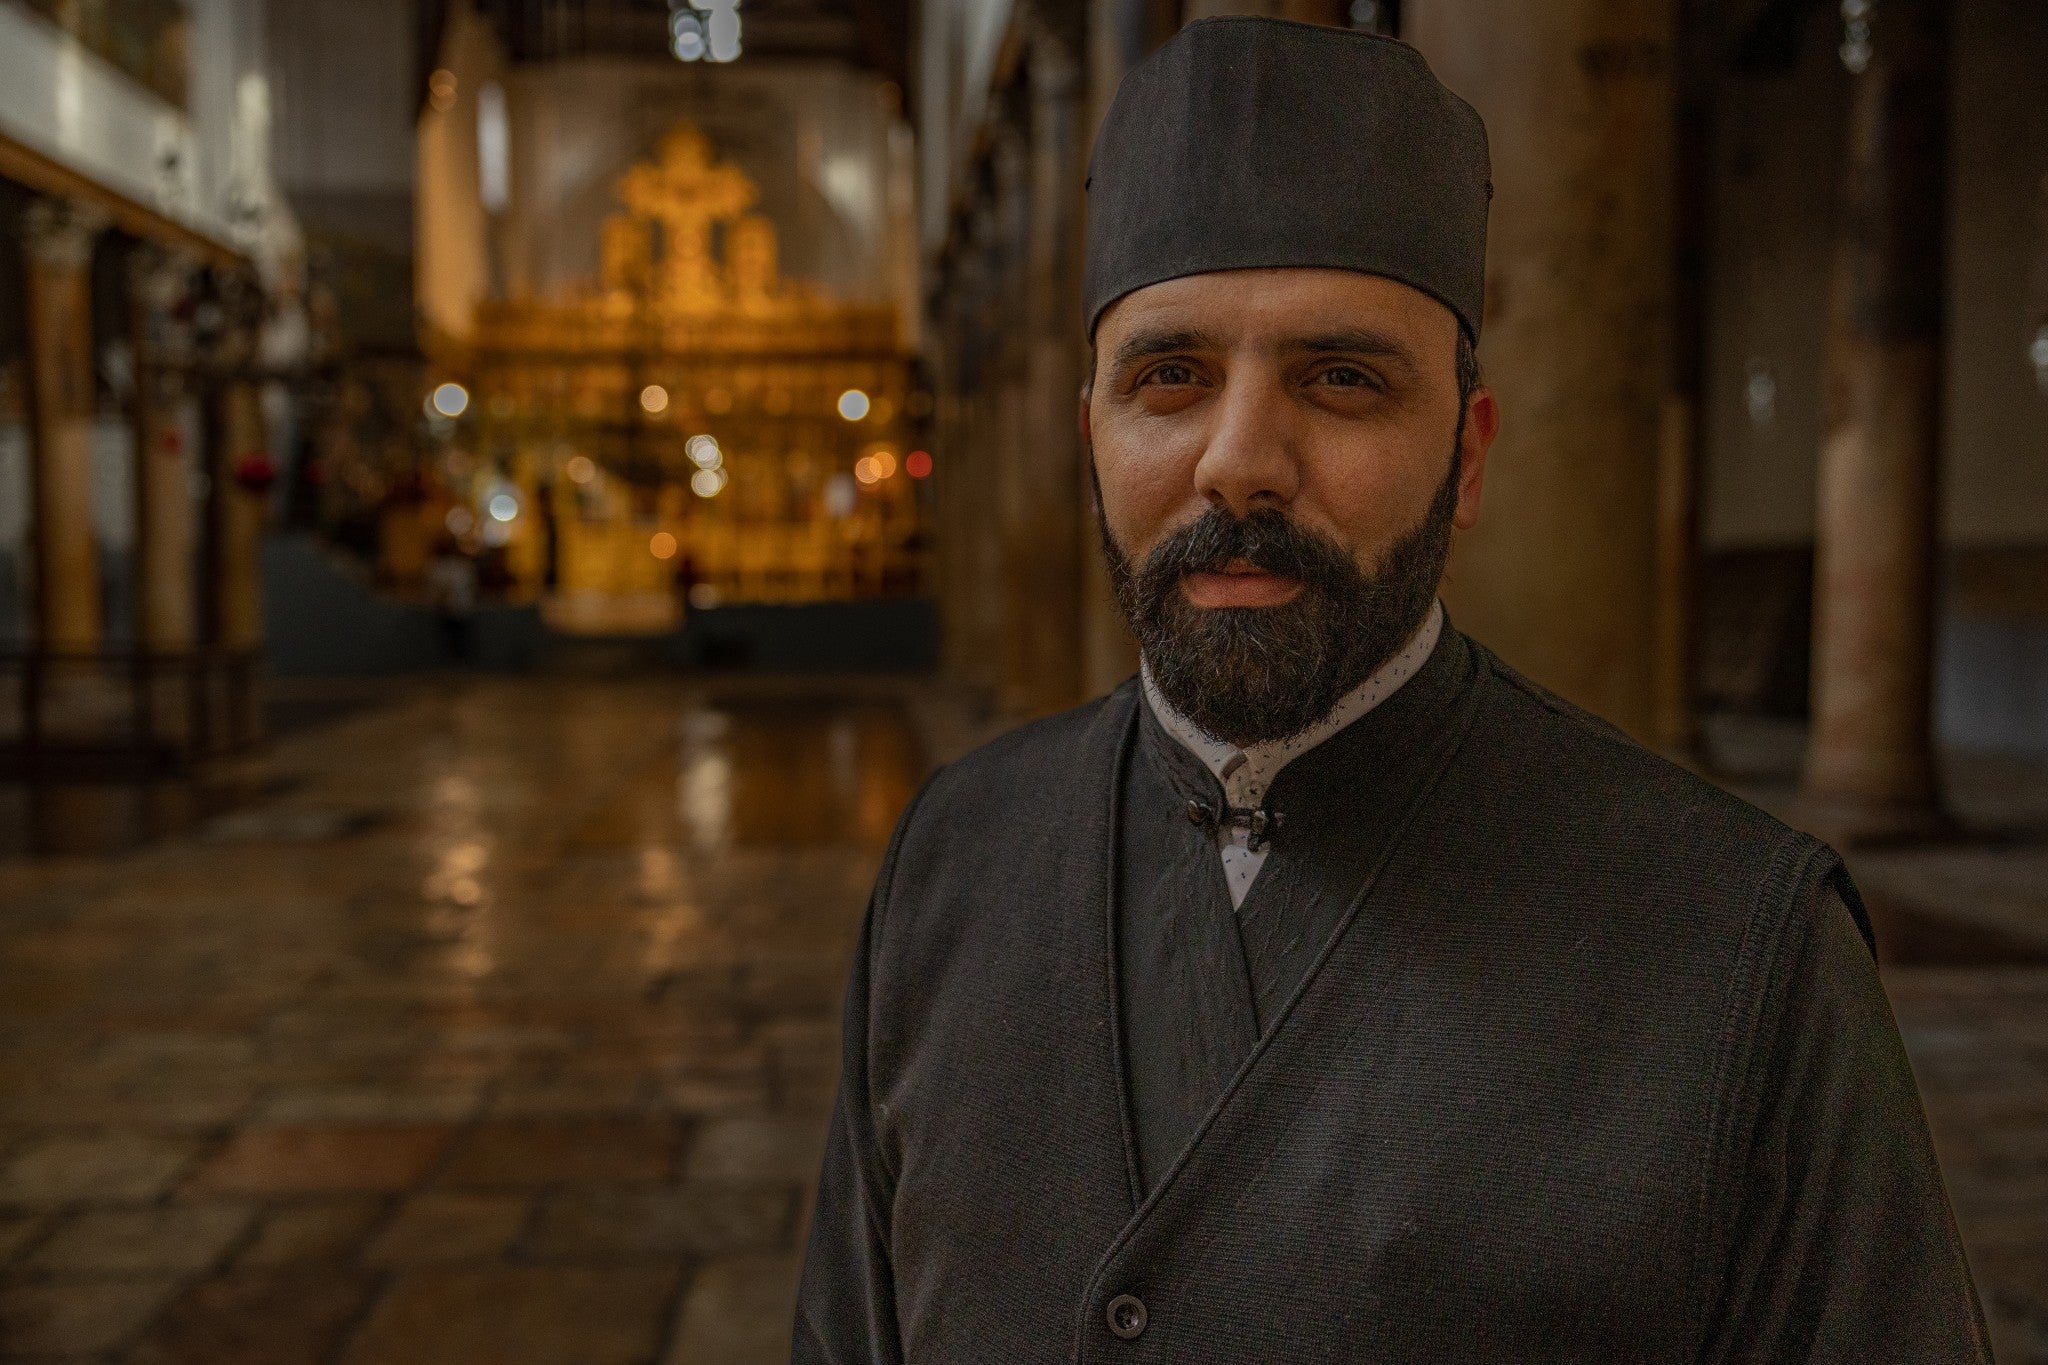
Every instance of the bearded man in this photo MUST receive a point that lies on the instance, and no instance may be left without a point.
(1330, 991)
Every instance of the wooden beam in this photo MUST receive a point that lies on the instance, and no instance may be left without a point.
(46, 175)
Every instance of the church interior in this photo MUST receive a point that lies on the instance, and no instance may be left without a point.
(504, 502)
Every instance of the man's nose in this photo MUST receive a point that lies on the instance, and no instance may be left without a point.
(1251, 459)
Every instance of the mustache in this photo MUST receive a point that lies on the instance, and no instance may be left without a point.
(1257, 673)
(1264, 538)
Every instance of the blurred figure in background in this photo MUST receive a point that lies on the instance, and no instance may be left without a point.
(451, 582)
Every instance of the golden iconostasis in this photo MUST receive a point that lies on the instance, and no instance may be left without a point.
(693, 428)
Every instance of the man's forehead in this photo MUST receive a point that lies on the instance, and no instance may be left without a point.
(1277, 304)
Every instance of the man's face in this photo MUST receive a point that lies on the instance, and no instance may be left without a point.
(1280, 456)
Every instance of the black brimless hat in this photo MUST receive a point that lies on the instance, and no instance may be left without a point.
(1246, 143)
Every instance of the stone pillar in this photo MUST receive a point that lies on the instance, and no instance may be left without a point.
(232, 590)
(953, 484)
(167, 596)
(1008, 438)
(1335, 13)
(973, 472)
(235, 436)
(233, 586)
(1674, 725)
(1332, 12)
(1560, 574)
(59, 239)
(1121, 33)
(1869, 765)
(237, 585)
(1042, 534)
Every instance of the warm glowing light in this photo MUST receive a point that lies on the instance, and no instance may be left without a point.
(503, 507)
(718, 402)
(663, 546)
(459, 521)
(654, 398)
(918, 464)
(707, 483)
(885, 463)
(704, 452)
(864, 469)
(842, 495)
(853, 405)
(582, 469)
(441, 88)
(451, 400)
(493, 148)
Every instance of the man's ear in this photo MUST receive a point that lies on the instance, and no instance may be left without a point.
(1482, 424)
(1087, 426)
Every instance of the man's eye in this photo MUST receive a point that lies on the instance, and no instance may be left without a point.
(1347, 377)
(1170, 374)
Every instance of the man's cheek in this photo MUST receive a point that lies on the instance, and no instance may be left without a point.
(1130, 505)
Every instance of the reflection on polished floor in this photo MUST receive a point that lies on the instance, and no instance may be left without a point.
(498, 1026)
(494, 1022)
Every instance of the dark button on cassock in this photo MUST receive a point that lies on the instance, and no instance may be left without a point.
(1126, 1316)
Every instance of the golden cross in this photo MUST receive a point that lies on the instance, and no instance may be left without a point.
(685, 191)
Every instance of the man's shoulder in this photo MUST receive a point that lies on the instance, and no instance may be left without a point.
(999, 830)
(1048, 759)
(1566, 786)
(1550, 749)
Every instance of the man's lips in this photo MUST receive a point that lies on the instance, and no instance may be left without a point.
(1240, 583)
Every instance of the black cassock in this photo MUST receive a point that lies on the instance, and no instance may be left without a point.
(1525, 1046)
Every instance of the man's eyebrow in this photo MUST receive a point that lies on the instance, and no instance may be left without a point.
(1143, 345)
(1363, 341)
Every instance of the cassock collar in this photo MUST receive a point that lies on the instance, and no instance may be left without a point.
(1247, 774)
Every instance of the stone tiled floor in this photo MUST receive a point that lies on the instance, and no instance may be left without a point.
(497, 1023)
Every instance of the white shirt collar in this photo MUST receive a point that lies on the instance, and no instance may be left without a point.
(1247, 773)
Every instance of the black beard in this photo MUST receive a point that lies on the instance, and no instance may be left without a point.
(1252, 675)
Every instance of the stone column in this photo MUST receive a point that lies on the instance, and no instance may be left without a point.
(1008, 437)
(953, 484)
(59, 239)
(973, 472)
(1331, 12)
(1042, 531)
(1674, 726)
(237, 586)
(1335, 13)
(235, 434)
(1121, 33)
(167, 597)
(1560, 575)
(233, 585)
(1869, 765)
